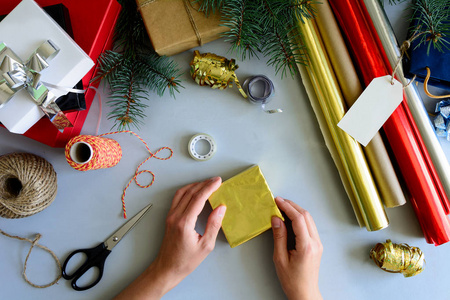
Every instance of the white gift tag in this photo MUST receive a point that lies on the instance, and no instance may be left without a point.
(371, 110)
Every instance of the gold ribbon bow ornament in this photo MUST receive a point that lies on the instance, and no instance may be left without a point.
(17, 75)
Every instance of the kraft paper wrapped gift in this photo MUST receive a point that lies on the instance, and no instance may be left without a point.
(23, 31)
(171, 28)
(250, 206)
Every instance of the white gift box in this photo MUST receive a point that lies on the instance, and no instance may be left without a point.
(23, 31)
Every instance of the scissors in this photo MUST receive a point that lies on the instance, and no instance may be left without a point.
(96, 256)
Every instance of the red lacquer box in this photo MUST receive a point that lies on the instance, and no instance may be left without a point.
(93, 26)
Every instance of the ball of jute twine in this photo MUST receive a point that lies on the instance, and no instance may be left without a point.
(28, 184)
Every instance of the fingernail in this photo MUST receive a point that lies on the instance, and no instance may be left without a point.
(279, 198)
(214, 178)
(221, 210)
(276, 222)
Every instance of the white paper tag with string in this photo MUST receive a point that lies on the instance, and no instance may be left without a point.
(371, 110)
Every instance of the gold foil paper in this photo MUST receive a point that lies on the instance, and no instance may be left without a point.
(214, 71)
(398, 258)
(376, 153)
(367, 203)
(250, 206)
(329, 141)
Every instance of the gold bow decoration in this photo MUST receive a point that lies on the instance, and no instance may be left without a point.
(17, 74)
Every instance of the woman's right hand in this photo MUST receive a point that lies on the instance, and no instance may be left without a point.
(298, 270)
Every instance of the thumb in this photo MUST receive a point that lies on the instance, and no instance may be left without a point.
(213, 225)
(279, 239)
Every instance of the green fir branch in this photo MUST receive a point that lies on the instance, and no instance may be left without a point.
(244, 30)
(209, 6)
(127, 98)
(158, 73)
(110, 62)
(133, 70)
(263, 26)
(283, 49)
(301, 10)
(130, 35)
(432, 17)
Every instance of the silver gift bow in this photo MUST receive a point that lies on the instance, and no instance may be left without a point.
(17, 75)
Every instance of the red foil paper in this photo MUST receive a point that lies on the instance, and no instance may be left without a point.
(400, 129)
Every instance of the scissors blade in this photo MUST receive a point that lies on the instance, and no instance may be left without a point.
(120, 233)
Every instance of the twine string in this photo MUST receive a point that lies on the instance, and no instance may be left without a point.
(411, 81)
(28, 184)
(403, 50)
(137, 172)
(189, 13)
(34, 243)
(144, 4)
(191, 19)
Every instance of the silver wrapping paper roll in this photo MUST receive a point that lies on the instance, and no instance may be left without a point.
(414, 102)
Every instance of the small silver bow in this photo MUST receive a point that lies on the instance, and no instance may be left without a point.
(17, 75)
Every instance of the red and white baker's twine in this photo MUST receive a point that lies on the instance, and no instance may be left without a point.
(107, 153)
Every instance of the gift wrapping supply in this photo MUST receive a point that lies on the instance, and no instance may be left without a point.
(377, 156)
(215, 71)
(265, 97)
(250, 206)
(87, 152)
(326, 133)
(437, 161)
(367, 205)
(441, 121)
(34, 243)
(28, 184)
(398, 258)
(369, 59)
(202, 137)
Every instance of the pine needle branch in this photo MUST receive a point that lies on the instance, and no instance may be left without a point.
(263, 26)
(432, 18)
(209, 6)
(243, 33)
(109, 63)
(127, 97)
(133, 69)
(283, 50)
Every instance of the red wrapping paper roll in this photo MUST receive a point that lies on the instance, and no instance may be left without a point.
(400, 129)
(422, 144)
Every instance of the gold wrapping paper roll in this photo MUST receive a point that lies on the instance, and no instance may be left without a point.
(377, 156)
(329, 140)
(354, 163)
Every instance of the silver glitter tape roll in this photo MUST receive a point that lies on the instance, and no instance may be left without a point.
(193, 142)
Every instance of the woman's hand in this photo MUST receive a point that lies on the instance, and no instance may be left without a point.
(182, 249)
(298, 270)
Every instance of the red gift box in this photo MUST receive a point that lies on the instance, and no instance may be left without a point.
(93, 25)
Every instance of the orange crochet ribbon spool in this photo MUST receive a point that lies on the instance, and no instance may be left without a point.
(88, 152)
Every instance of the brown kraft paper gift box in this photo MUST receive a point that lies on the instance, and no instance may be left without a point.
(172, 28)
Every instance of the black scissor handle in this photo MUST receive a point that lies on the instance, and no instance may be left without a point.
(95, 258)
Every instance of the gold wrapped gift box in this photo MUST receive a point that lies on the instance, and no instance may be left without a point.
(250, 206)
